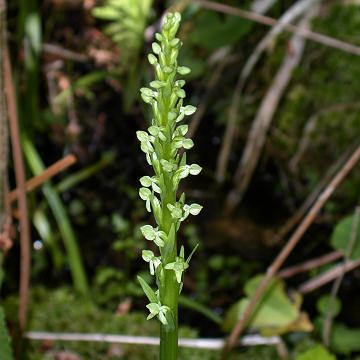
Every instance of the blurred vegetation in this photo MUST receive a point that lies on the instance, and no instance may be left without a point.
(86, 238)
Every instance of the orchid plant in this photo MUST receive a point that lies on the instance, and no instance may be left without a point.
(164, 144)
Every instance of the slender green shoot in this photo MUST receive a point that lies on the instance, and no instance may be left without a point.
(164, 145)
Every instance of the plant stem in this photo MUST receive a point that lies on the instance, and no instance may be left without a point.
(169, 336)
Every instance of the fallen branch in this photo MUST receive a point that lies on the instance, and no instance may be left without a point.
(38, 180)
(64, 53)
(20, 182)
(4, 144)
(310, 264)
(288, 248)
(328, 276)
(261, 124)
(210, 344)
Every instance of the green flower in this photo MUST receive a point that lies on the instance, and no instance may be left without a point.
(154, 234)
(153, 261)
(161, 311)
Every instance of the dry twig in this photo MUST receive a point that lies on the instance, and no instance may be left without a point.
(328, 276)
(20, 182)
(48, 173)
(57, 50)
(288, 248)
(310, 264)
(3, 126)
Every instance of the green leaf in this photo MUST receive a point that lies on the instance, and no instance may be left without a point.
(275, 313)
(341, 235)
(345, 340)
(149, 292)
(316, 353)
(192, 253)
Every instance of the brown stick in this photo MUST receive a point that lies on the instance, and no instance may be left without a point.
(328, 276)
(266, 20)
(310, 264)
(4, 209)
(288, 248)
(20, 181)
(38, 180)
(64, 53)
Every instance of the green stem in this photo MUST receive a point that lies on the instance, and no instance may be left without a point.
(169, 336)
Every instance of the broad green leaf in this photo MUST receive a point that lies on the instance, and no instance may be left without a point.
(275, 314)
(316, 353)
(345, 340)
(341, 235)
